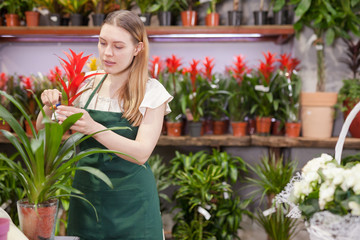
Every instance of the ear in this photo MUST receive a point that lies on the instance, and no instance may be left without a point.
(138, 48)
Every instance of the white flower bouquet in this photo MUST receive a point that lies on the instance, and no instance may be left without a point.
(327, 194)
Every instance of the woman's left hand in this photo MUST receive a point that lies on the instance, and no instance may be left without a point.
(85, 124)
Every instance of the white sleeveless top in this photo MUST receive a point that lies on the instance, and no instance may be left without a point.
(155, 96)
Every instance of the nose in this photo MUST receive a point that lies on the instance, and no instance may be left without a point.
(108, 51)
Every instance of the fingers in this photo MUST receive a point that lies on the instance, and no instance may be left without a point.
(50, 97)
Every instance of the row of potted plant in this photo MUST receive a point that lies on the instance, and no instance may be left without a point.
(77, 11)
(269, 90)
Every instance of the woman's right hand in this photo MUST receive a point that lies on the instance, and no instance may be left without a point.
(50, 97)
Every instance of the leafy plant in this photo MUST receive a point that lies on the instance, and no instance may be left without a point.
(189, 4)
(145, 5)
(48, 159)
(328, 19)
(164, 6)
(12, 6)
(51, 5)
(73, 6)
(98, 6)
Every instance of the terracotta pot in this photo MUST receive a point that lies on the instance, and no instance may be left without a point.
(239, 129)
(212, 19)
(219, 127)
(317, 113)
(292, 129)
(277, 128)
(28, 128)
(208, 126)
(189, 18)
(263, 125)
(354, 128)
(4, 126)
(32, 18)
(38, 222)
(173, 129)
(12, 20)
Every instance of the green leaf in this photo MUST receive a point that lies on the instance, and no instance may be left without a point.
(302, 8)
(330, 36)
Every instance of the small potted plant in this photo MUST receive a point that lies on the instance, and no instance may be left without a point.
(98, 12)
(74, 8)
(164, 9)
(31, 15)
(13, 12)
(212, 17)
(145, 14)
(261, 15)
(188, 14)
(53, 17)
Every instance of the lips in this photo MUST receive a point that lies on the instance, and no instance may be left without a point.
(109, 63)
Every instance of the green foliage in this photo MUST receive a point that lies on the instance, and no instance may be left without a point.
(175, 86)
(73, 6)
(145, 5)
(188, 4)
(164, 6)
(271, 176)
(12, 6)
(204, 181)
(48, 160)
(217, 103)
(277, 225)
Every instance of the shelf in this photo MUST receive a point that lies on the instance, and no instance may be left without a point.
(277, 33)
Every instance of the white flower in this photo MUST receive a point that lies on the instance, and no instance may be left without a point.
(349, 180)
(301, 188)
(312, 177)
(333, 173)
(355, 208)
(326, 194)
(316, 163)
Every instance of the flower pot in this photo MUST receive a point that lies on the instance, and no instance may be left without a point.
(32, 18)
(317, 113)
(76, 19)
(98, 19)
(219, 127)
(145, 18)
(234, 18)
(239, 129)
(263, 125)
(12, 20)
(194, 128)
(212, 19)
(282, 17)
(54, 19)
(28, 128)
(4, 126)
(4, 228)
(260, 17)
(38, 222)
(251, 129)
(164, 18)
(354, 128)
(188, 18)
(173, 129)
(277, 128)
(208, 126)
(292, 129)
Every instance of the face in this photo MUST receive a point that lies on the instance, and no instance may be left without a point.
(116, 49)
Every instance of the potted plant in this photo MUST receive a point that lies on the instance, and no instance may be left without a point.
(172, 81)
(164, 9)
(13, 12)
(145, 14)
(328, 20)
(53, 17)
(212, 17)
(4, 78)
(188, 14)
(235, 15)
(31, 16)
(349, 93)
(98, 12)
(325, 194)
(281, 12)
(261, 15)
(74, 8)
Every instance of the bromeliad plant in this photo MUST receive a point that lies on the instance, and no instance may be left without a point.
(74, 76)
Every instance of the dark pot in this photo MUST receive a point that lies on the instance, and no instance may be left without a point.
(145, 18)
(281, 17)
(164, 18)
(64, 21)
(234, 18)
(98, 19)
(260, 17)
(76, 19)
(194, 129)
(54, 19)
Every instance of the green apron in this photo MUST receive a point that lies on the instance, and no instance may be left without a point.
(130, 210)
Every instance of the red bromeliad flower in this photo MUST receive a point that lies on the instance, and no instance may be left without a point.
(3, 80)
(55, 74)
(287, 63)
(173, 64)
(266, 68)
(239, 68)
(75, 76)
(156, 66)
(209, 65)
(27, 83)
(193, 70)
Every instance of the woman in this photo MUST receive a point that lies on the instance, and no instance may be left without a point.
(124, 96)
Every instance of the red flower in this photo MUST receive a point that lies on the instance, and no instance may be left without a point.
(173, 63)
(209, 65)
(156, 66)
(266, 68)
(75, 76)
(287, 63)
(193, 70)
(27, 83)
(3, 80)
(55, 74)
(239, 68)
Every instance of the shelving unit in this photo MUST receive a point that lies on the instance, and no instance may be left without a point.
(277, 33)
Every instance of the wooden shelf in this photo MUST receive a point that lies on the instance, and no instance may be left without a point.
(277, 33)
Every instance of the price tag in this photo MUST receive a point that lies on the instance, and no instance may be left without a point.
(205, 213)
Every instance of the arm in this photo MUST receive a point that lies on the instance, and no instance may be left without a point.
(140, 148)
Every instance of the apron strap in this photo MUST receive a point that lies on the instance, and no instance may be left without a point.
(93, 92)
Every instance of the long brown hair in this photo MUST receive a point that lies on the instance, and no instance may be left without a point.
(132, 94)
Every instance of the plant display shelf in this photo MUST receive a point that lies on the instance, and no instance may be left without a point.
(278, 33)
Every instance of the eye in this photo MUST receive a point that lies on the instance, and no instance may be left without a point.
(118, 47)
(102, 43)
